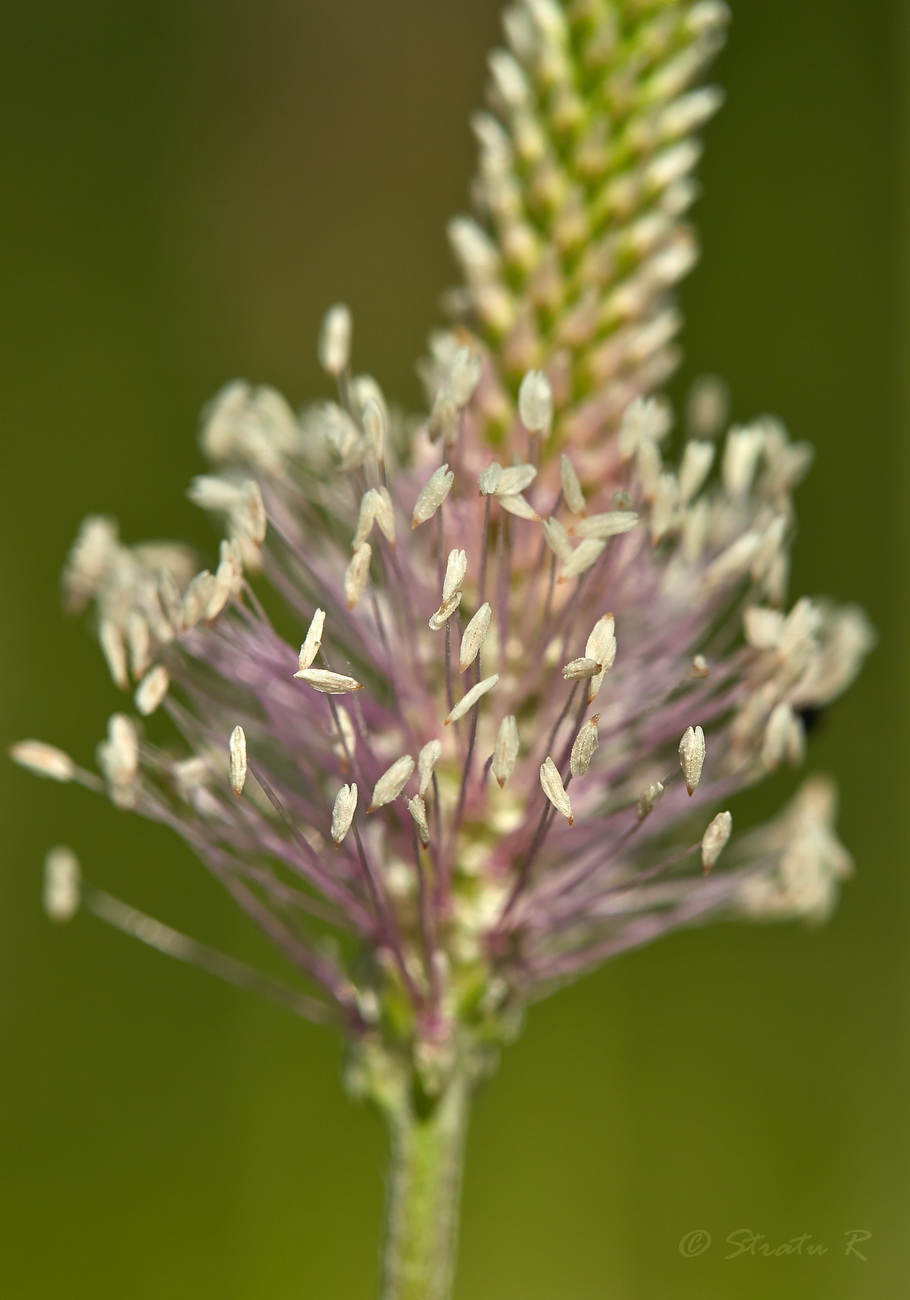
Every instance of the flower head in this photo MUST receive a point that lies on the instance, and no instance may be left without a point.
(539, 649)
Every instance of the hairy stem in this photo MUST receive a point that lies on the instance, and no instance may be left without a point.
(423, 1197)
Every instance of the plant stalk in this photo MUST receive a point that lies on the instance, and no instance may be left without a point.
(423, 1198)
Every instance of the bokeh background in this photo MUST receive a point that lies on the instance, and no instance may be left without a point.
(188, 184)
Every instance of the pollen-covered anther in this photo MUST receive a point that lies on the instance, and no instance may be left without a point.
(579, 670)
(238, 759)
(516, 504)
(715, 838)
(427, 759)
(432, 495)
(649, 798)
(584, 747)
(505, 751)
(700, 666)
(445, 611)
(692, 756)
(474, 636)
(558, 540)
(250, 516)
(464, 375)
(343, 812)
(456, 568)
(152, 689)
(392, 782)
(328, 683)
(610, 524)
(535, 402)
(357, 575)
(571, 487)
(43, 760)
(375, 427)
(784, 737)
(601, 647)
(488, 479)
(62, 881)
(697, 460)
(586, 554)
(335, 340)
(553, 788)
(418, 810)
(515, 478)
(474, 694)
(118, 758)
(312, 642)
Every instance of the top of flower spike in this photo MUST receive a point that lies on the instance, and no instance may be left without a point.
(578, 235)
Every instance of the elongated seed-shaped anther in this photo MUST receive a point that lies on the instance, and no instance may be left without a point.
(418, 810)
(343, 812)
(312, 641)
(43, 760)
(535, 402)
(692, 756)
(152, 689)
(392, 782)
(357, 574)
(427, 759)
(584, 747)
(474, 636)
(505, 751)
(554, 789)
(579, 669)
(611, 524)
(238, 759)
(648, 798)
(329, 683)
(432, 495)
(335, 340)
(601, 647)
(456, 568)
(469, 700)
(586, 553)
(62, 879)
(715, 838)
(571, 488)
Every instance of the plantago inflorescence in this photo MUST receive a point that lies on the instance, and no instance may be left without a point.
(538, 653)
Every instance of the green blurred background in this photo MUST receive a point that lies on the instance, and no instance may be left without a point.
(188, 185)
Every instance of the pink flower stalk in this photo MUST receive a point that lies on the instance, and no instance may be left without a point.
(542, 644)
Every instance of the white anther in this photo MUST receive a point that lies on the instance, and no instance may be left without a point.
(357, 574)
(335, 340)
(535, 402)
(312, 643)
(392, 782)
(43, 760)
(62, 879)
(692, 756)
(152, 689)
(427, 759)
(474, 636)
(474, 694)
(584, 747)
(571, 488)
(601, 647)
(432, 495)
(328, 683)
(343, 812)
(238, 759)
(715, 838)
(505, 751)
(553, 788)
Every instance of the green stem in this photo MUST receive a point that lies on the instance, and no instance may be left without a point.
(423, 1197)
